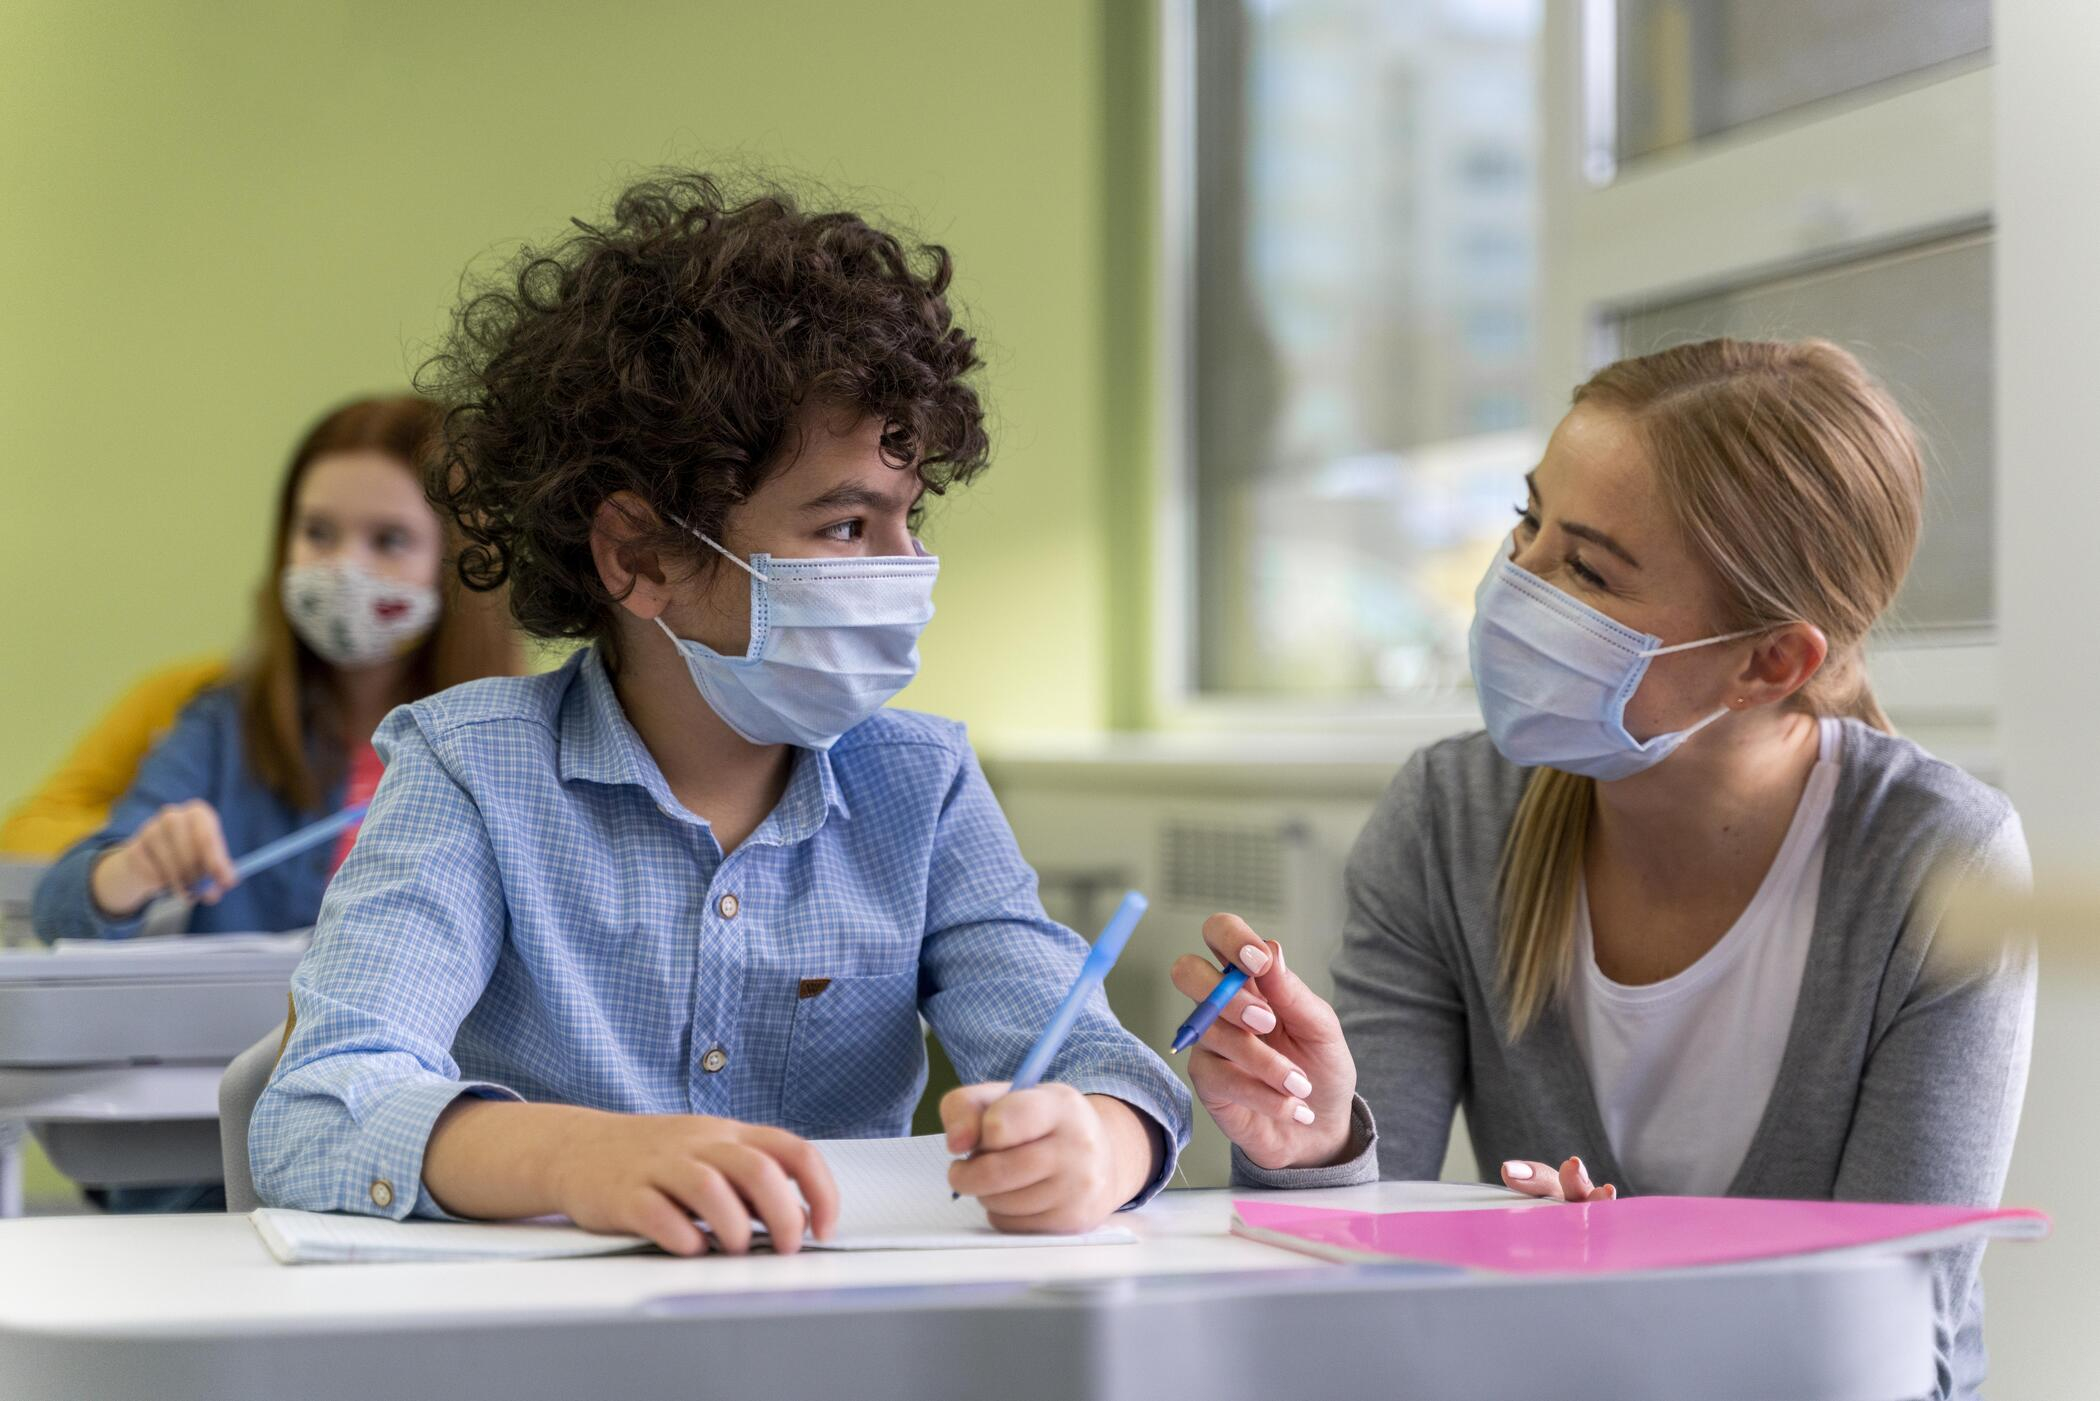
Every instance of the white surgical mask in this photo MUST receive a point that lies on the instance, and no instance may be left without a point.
(831, 641)
(352, 617)
(1554, 676)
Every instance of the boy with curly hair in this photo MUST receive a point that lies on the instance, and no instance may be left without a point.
(617, 941)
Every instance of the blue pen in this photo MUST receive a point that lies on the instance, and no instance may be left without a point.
(1099, 960)
(1190, 1031)
(285, 848)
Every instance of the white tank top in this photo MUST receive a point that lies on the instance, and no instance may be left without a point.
(1683, 1068)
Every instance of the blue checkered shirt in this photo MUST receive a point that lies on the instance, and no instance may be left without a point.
(528, 913)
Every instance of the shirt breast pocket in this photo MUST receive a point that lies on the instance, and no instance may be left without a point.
(856, 1060)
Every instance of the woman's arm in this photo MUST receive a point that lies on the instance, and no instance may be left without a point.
(1398, 1003)
(1939, 1102)
(1395, 989)
(180, 770)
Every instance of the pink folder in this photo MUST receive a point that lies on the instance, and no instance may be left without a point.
(1632, 1233)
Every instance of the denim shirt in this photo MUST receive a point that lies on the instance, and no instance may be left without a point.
(529, 913)
(202, 756)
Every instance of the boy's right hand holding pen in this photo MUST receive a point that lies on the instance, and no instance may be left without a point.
(1274, 1069)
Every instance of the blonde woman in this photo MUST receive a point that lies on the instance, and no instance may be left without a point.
(1668, 926)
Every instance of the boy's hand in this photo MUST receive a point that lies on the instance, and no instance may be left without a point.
(1048, 1160)
(651, 1174)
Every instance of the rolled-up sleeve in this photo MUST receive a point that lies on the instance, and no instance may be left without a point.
(994, 966)
(407, 939)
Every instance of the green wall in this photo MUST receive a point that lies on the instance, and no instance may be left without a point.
(223, 217)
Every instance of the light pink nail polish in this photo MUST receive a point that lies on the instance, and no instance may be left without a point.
(1260, 1020)
(1295, 1083)
(1520, 1171)
(1255, 959)
(1302, 1113)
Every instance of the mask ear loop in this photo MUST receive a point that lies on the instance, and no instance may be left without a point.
(708, 540)
(1686, 646)
(1705, 642)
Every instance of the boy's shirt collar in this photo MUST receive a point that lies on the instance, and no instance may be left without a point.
(599, 744)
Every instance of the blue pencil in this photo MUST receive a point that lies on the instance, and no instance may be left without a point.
(286, 847)
(1099, 960)
(1207, 1010)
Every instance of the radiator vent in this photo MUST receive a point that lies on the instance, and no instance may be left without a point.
(1222, 867)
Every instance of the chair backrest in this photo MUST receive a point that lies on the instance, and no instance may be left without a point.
(239, 1088)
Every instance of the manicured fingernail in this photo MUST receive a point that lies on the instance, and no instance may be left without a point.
(1520, 1171)
(1255, 959)
(1259, 1019)
(1302, 1113)
(1295, 1083)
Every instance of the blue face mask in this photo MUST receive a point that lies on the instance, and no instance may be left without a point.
(1554, 676)
(831, 641)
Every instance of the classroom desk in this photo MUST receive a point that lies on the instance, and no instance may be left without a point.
(172, 1308)
(114, 1051)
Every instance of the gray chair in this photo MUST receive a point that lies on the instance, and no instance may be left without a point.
(239, 1088)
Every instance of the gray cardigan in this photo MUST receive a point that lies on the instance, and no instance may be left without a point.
(1902, 1075)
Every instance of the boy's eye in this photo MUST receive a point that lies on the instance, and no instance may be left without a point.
(319, 532)
(844, 530)
(390, 541)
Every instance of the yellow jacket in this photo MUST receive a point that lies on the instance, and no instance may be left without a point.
(75, 800)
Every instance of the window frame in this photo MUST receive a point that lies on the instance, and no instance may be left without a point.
(1831, 181)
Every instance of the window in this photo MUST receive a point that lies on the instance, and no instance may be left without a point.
(1920, 319)
(1687, 70)
(1359, 340)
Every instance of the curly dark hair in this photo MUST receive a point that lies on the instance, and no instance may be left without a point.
(669, 352)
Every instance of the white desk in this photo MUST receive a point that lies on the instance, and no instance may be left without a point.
(115, 1051)
(171, 1308)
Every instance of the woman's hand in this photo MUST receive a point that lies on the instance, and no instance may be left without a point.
(179, 846)
(1273, 1070)
(1047, 1160)
(1571, 1183)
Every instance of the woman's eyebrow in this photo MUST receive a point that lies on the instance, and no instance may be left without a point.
(1584, 532)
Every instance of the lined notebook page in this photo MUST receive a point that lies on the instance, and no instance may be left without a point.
(893, 1195)
(323, 1238)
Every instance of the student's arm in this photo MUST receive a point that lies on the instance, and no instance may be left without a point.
(1940, 1100)
(179, 773)
(407, 937)
(366, 1111)
(993, 966)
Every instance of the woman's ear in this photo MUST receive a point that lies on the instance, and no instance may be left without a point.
(632, 573)
(1784, 661)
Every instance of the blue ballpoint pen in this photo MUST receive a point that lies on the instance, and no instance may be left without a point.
(1099, 960)
(1190, 1031)
(286, 847)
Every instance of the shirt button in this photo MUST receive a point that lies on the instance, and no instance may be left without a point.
(728, 905)
(382, 1193)
(714, 1060)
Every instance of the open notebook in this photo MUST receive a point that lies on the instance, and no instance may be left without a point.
(1632, 1233)
(893, 1195)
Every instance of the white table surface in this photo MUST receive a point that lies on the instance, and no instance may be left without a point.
(177, 1307)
